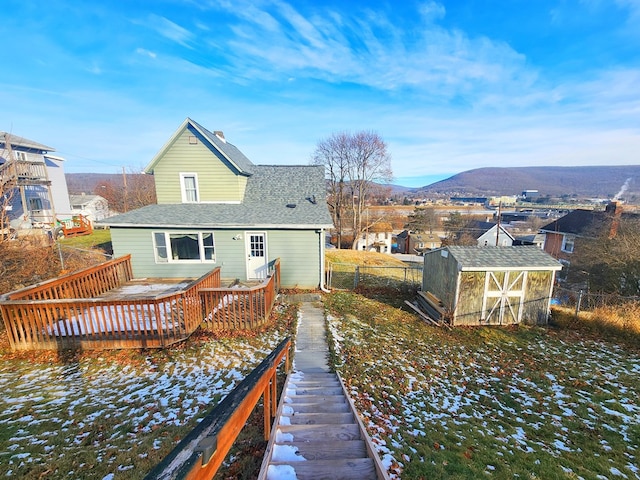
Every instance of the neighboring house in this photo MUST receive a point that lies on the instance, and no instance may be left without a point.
(417, 243)
(92, 207)
(560, 235)
(536, 239)
(32, 183)
(491, 285)
(491, 234)
(377, 238)
(216, 208)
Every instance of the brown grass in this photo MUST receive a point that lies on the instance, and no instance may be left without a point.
(357, 257)
(620, 322)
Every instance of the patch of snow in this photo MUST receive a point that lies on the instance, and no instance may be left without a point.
(286, 453)
(281, 472)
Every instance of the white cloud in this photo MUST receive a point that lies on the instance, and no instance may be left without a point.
(170, 30)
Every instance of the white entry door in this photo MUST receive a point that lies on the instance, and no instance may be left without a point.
(256, 247)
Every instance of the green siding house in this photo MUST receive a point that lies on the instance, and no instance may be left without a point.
(216, 208)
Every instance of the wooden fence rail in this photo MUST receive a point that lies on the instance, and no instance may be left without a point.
(241, 308)
(87, 283)
(199, 455)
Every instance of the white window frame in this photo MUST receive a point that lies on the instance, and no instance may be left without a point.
(166, 236)
(183, 187)
(568, 243)
(20, 155)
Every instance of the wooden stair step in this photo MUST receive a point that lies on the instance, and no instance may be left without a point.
(348, 469)
(315, 399)
(301, 390)
(320, 418)
(304, 433)
(327, 450)
(316, 383)
(320, 407)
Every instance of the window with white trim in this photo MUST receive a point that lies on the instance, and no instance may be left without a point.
(189, 187)
(20, 156)
(568, 243)
(184, 247)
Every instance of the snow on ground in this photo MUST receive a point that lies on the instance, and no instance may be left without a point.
(538, 401)
(61, 410)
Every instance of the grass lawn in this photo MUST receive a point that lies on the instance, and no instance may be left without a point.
(116, 414)
(521, 402)
(99, 238)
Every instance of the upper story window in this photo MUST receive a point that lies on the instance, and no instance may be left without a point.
(568, 243)
(189, 187)
(20, 156)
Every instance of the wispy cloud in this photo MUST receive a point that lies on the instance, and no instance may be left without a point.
(171, 30)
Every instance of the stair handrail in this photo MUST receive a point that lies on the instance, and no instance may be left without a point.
(198, 455)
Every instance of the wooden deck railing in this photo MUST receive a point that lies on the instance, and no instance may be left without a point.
(241, 308)
(60, 314)
(23, 172)
(87, 283)
(199, 455)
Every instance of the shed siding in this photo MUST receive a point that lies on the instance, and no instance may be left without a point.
(299, 268)
(536, 300)
(216, 181)
(469, 306)
(440, 277)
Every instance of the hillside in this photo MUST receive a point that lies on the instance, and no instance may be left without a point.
(601, 181)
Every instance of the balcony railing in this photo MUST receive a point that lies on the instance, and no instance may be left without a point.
(21, 172)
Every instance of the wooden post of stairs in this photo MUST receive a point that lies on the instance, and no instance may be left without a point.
(267, 410)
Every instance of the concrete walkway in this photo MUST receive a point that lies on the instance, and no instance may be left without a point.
(312, 350)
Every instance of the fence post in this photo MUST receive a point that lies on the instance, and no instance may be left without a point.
(356, 277)
(578, 303)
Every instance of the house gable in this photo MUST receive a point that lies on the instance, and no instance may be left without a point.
(197, 166)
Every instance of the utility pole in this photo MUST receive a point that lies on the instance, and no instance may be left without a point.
(125, 193)
(498, 225)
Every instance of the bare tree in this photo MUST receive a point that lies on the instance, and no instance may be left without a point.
(608, 256)
(134, 191)
(354, 162)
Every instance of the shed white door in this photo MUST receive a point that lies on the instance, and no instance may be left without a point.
(503, 297)
(256, 248)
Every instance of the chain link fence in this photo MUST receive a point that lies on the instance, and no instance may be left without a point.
(583, 300)
(343, 276)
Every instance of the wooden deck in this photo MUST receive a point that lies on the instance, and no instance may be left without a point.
(104, 307)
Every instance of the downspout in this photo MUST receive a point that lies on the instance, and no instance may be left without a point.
(322, 263)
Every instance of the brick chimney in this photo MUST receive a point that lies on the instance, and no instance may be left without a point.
(220, 135)
(614, 210)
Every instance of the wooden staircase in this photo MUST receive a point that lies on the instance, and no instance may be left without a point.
(317, 434)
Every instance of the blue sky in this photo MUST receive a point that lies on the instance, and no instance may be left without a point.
(450, 86)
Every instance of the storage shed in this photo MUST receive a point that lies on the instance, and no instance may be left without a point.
(491, 285)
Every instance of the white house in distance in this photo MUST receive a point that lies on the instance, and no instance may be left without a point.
(32, 182)
(93, 207)
(378, 238)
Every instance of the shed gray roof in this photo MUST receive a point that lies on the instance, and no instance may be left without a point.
(17, 141)
(524, 257)
(270, 196)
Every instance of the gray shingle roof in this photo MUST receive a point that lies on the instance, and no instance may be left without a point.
(502, 258)
(230, 150)
(269, 190)
(23, 142)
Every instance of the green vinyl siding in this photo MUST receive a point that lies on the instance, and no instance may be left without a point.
(298, 250)
(217, 182)
(299, 254)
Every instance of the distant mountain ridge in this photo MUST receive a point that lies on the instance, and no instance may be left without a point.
(592, 181)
